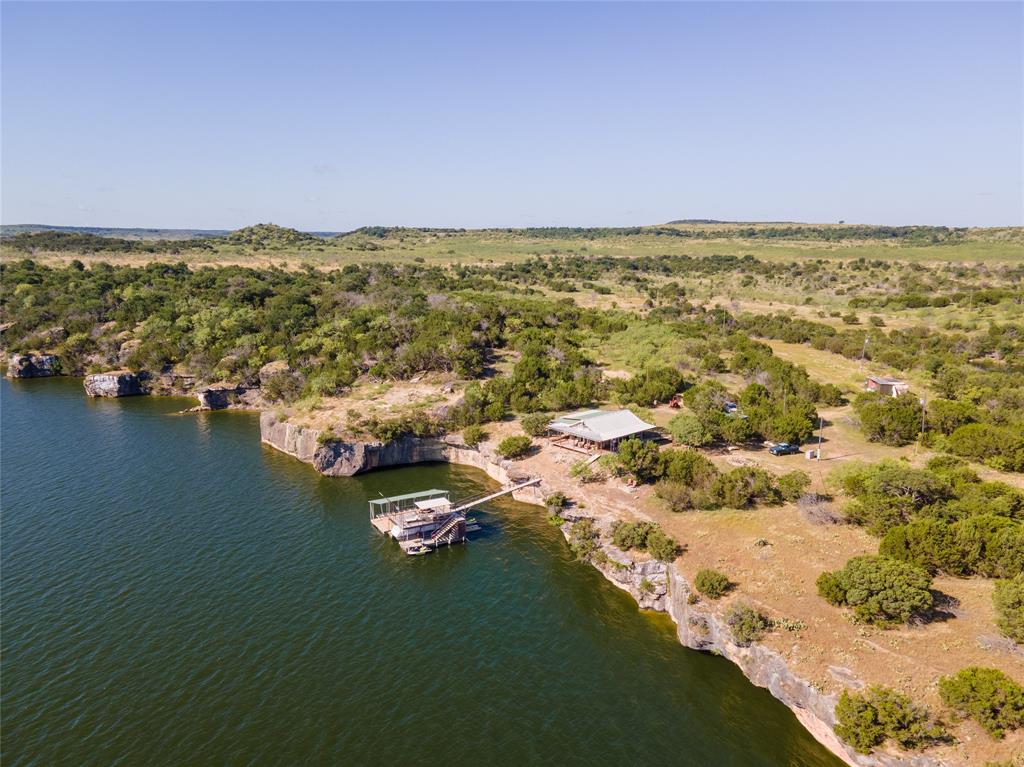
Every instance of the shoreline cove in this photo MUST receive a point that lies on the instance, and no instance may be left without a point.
(653, 585)
(664, 588)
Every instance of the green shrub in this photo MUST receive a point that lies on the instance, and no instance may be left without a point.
(746, 623)
(473, 435)
(741, 488)
(890, 420)
(686, 466)
(866, 720)
(926, 543)
(536, 424)
(888, 493)
(688, 430)
(946, 416)
(792, 485)
(989, 545)
(639, 458)
(660, 546)
(583, 539)
(676, 495)
(1008, 600)
(880, 590)
(644, 536)
(712, 584)
(1001, 447)
(582, 471)
(652, 385)
(987, 696)
(515, 446)
(556, 501)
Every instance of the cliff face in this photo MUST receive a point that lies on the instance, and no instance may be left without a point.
(33, 366)
(113, 384)
(223, 396)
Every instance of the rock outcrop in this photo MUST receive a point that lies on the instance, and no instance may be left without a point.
(33, 366)
(338, 458)
(114, 383)
(222, 396)
(170, 382)
(272, 369)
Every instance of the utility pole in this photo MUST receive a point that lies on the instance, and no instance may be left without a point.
(821, 428)
(921, 438)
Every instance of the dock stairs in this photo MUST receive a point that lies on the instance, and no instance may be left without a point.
(446, 532)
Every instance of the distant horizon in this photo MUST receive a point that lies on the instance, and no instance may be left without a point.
(505, 115)
(673, 222)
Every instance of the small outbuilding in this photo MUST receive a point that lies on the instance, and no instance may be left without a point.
(598, 429)
(890, 387)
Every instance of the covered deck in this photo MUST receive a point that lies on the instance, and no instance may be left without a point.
(591, 431)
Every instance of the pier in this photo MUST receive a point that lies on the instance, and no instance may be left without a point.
(425, 520)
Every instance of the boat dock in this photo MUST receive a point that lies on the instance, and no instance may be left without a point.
(427, 519)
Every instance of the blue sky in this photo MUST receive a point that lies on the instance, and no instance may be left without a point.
(330, 116)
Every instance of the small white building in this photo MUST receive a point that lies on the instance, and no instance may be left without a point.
(890, 387)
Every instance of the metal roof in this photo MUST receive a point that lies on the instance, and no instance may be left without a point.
(409, 496)
(433, 503)
(600, 425)
(885, 381)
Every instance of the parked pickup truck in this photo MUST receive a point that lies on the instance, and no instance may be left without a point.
(784, 448)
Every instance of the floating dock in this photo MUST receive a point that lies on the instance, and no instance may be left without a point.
(427, 519)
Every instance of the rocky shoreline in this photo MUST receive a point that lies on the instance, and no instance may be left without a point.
(654, 585)
(128, 383)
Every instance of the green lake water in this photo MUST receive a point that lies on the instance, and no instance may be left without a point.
(176, 593)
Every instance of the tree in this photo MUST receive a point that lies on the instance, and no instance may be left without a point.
(514, 447)
(536, 424)
(712, 583)
(946, 416)
(865, 720)
(888, 493)
(890, 420)
(1008, 600)
(926, 543)
(688, 430)
(686, 466)
(1001, 447)
(989, 545)
(639, 458)
(794, 427)
(987, 696)
(880, 590)
(656, 384)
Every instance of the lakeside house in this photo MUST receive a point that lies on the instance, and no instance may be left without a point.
(592, 430)
(890, 387)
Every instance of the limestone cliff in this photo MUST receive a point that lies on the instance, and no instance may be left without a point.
(114, 383)
(222, 396)
(33, 366)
